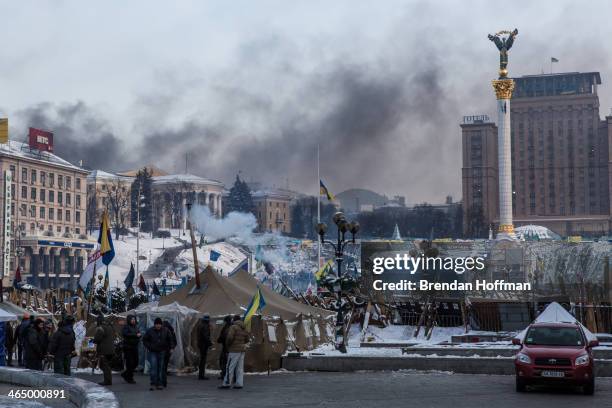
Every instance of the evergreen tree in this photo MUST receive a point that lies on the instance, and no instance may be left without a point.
(240, 199)
(142, 186)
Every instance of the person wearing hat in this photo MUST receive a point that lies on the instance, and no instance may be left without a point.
(22, 336)
(35, 346)
(157, 340)
(105, 348)
(227, 323)
(203, 344)
(131, 340)
(61, 346)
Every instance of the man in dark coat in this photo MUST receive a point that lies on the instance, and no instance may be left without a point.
(203, 344)
(168, 353)
(131, 339)
(61, 346)
(35, 346)
(227, 323)
(157, 340)
(105, 348)
(22, 336)
(9, 343)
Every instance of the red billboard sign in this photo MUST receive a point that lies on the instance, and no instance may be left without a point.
(41, 140)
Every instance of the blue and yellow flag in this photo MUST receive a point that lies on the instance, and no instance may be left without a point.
(257, 303)
(324, 191)
(107, 250)
(106, 280)
(325, 269)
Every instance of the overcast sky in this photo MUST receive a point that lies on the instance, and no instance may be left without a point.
(253, 86)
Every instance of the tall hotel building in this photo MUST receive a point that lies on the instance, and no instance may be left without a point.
(561, 158)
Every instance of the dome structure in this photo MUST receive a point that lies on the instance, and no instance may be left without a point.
(535, 233)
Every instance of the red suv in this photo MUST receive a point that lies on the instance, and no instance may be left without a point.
(555, 353)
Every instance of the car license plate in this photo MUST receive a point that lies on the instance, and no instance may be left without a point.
(553, 374)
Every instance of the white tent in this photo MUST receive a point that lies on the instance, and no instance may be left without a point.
(555, 313)
(7, 316)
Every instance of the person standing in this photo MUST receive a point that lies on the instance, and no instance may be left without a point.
(61, 346)
(203, 344)
(22, 338)
(35, 346)
(131, 340)
(157, 340)
(164, 378)
(9, 343)
(227, 323)
(237, 341)
(105, 348)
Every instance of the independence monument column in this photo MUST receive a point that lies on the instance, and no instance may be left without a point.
(503, 91)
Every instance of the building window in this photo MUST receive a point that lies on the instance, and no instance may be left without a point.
(67, 215)
(58, 228)
(32, 226)
(77, 217)
(78, 201)
(24, 175)
(13, 209)
(68, 199)
(51, 213)
(33, 211)
(43, 178)
(59, 214)
(77, 231)
(67, 230)
(69, 182)
(50, 228)
(33, 176)
(33, 193)
(42, 212)
(52, 196)
(51, 179)
(43, 195)
(24, 192)
(59, 197)
(60, 181)
(23, 209)
(12, 168)
(13, 190)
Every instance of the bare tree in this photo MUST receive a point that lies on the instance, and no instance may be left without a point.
(118, 202)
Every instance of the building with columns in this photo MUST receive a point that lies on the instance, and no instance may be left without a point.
(45, 218)
(172, 192)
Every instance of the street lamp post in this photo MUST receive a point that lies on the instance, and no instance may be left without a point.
(343, 226)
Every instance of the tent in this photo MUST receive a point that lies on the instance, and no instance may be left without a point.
(282, 325)
(182, 318)
(555, 313)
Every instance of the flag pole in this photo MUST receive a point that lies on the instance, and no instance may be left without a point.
(318, 208)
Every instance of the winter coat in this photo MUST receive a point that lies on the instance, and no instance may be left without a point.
(104, 339)
(62, 342)
(223, 337)
(237, 338)
(9, 337)
(204, 335)
(130, 335)
(35, 344)
(158, 340)
(22, 331)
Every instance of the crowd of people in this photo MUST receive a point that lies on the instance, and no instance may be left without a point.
(39, 347)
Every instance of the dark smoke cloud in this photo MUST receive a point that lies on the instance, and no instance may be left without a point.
(82, 134)
(385, 111)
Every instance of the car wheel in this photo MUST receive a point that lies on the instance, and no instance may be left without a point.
(520, 385)
(589, 388)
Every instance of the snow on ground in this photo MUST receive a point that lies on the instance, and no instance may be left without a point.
(231, 257)
(395, 334)
(125, 254)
